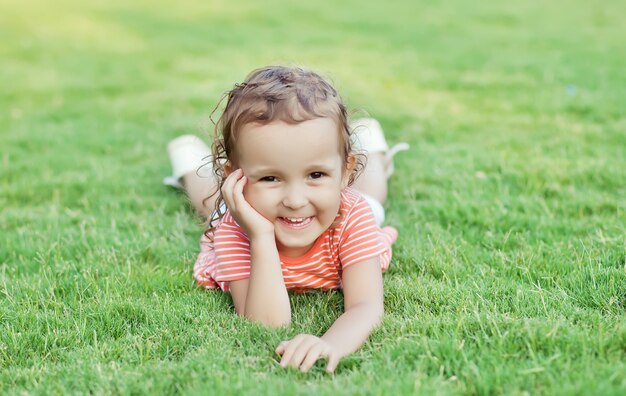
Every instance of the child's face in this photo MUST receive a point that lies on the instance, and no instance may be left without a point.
(295, 176)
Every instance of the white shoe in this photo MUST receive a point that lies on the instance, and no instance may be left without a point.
(368, 137)
(188, 153)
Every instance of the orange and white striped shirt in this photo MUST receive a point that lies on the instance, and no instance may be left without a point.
(352, 240)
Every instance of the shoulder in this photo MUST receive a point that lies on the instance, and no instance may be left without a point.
(350, 197)
(228, 227)
(353, 204)
(351, 201)
(355, 213)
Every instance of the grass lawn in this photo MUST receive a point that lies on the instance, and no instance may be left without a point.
(510, 272)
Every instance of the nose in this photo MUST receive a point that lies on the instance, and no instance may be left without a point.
(295, 198)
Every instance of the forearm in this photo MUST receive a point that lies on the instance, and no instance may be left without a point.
(353, 328)
(267, 300)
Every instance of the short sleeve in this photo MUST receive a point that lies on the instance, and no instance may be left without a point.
(232, 253)
(360, 237)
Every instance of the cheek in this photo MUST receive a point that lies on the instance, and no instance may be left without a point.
(260, 199)
(329, 198)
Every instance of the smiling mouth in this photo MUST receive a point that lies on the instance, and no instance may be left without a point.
(296, 222)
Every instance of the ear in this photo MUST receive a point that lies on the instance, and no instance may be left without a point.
(228, 168)
(351, 165)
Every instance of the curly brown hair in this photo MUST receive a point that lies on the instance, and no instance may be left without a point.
(276, 93)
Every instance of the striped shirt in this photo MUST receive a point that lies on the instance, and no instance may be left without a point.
(355, 237)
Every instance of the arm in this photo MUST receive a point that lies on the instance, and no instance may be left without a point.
(363, 302)
(263, 297)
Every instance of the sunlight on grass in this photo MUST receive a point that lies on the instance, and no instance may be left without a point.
(509, 275)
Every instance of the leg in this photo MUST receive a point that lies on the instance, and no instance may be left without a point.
(198, 189)
(373, 179)
(190, 156)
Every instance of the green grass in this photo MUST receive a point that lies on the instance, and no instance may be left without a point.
(510, 272)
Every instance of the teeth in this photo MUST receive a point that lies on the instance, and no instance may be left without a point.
(296, 220)
(297, 223)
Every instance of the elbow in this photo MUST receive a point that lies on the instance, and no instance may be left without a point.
(380, 313)
(275, 324)
(268, 321)
(373, 311)
(377, 312)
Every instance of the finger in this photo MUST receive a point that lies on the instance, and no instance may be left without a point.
(227, 188)
(314, 353)
(238, 190)
(301, 352)
(280, 349)
(333, 361)
(232, 178)
(242, 205)
(228, 200)
(290, 350)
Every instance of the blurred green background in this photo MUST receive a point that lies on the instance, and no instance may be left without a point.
(510, 272)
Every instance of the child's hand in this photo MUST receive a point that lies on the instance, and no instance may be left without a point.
(246, 216)
(304, 350)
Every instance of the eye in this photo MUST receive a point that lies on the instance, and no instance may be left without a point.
(268, 179)
(317, 175)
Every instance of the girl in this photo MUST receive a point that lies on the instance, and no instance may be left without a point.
(282, 214)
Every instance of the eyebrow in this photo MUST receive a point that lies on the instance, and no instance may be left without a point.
(321, 166)
(326, 167)
(263, 171)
